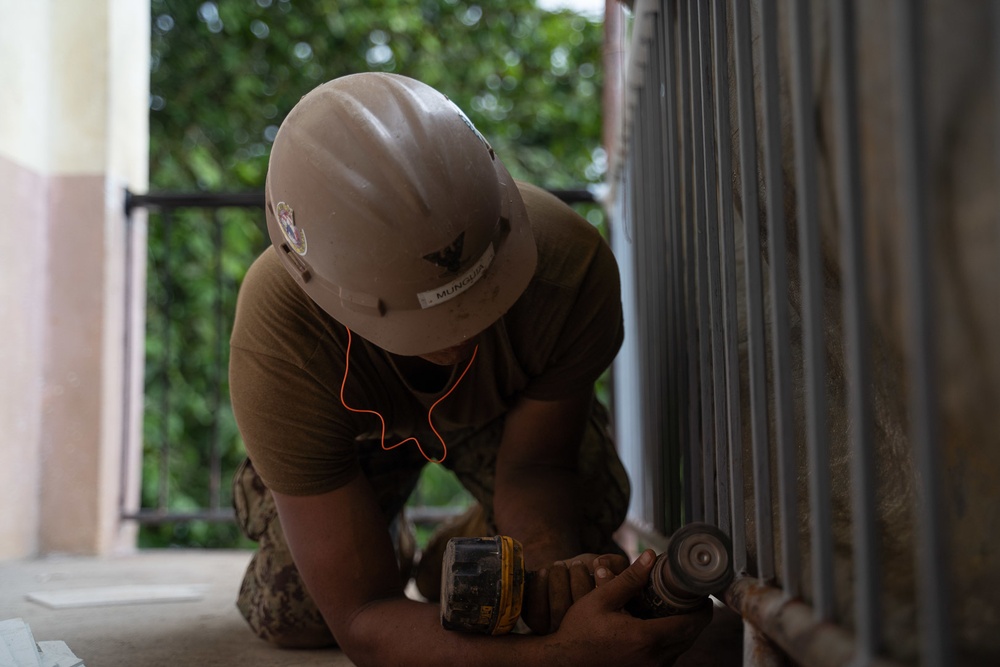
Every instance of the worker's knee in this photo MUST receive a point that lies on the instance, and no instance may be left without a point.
(274, 601)
(287, 626)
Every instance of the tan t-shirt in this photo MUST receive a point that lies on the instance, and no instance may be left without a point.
(287, 359)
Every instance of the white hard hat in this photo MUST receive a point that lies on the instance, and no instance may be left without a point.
(392, 212)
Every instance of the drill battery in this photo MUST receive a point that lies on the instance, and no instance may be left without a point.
(483, 584)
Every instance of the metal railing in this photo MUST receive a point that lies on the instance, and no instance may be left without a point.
(193, 275)
(700, 168)
(201, 246)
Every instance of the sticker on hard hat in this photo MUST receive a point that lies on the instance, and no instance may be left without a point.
(286, 220)
(458, 285)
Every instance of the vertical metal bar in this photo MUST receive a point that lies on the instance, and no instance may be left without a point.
(932, 556)
(671, 456)
(166, 276)
(647, 228)
(780, 346)
(754, 287)
(730, 317)
(127, 342)
(628, 222)
(634, 215)
(215, 454)
(650, 223)
(635, 426)
(642, 298)
(704, 324)
(694, 509)
(653, 178)
(866, 585)
(713, 285)
(810, 277)
(649, 447)
(675, 323)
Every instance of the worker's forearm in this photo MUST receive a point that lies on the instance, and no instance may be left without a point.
(538, 507)
(404, 632)
(594, 632)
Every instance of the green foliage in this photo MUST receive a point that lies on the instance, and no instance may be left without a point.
(438, 487)
(223, 76)
(200, 534)
(195, 262)
(225, 73)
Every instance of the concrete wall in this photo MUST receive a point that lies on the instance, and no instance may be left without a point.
(73, 136)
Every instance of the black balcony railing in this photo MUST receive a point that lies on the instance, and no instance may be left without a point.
(199, 247)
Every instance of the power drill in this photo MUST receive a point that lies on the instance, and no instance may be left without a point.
(483, 579)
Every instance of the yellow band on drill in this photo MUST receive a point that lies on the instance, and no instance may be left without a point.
(511, 585)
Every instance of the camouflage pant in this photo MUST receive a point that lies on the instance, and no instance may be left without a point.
(273, 598)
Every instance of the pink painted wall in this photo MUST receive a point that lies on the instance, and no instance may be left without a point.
(73, 136)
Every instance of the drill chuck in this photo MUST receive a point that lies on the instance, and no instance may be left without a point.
(698, 562)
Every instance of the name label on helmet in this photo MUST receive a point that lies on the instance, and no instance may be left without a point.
(455, 287)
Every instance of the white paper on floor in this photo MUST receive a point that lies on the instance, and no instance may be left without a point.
(115, 595)
(18, 648)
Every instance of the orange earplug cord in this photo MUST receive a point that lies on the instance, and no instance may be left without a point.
(444, 447)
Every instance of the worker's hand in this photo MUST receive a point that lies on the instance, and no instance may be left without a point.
(606, 634)
(552, 590)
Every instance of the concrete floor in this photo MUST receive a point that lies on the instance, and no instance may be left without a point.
(204, 632)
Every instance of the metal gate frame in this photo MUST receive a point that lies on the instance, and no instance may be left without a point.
(678, 381)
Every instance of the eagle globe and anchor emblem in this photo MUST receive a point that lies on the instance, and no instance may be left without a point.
(295, 236)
